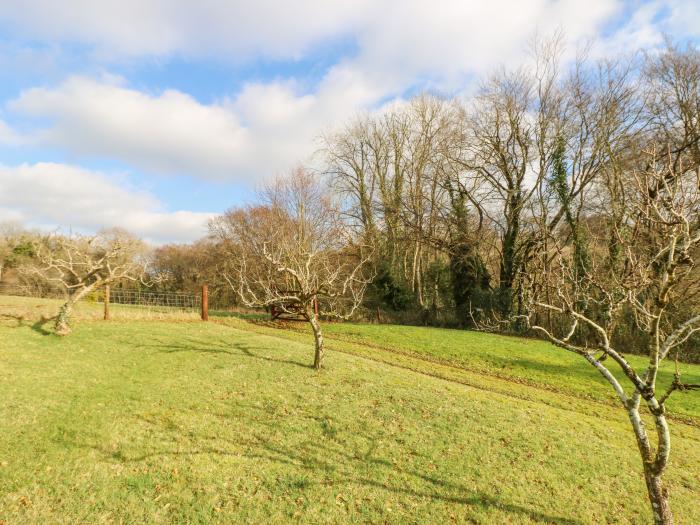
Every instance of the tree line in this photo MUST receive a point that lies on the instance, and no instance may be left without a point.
(462, 199)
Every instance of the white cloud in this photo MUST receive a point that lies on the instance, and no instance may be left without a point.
(49, 195)
(640, 30)
(683, 18)
(209, 27)
(267, 127)
(446, 40)
(397, 46)
(8, 136)
(168, 132)
(261, 131)
(393, 38)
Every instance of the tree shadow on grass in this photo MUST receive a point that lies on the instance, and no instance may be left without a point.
(234, 348)
(324, 463)
(37, 326)
(555, 369)
(444, 490)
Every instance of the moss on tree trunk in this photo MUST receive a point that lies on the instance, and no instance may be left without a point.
(318, 339)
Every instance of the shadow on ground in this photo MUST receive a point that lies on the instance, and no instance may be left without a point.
(317, 461)
(38, 326)
(221, 347)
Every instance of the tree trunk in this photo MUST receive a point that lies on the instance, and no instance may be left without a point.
(507, 271)
(653, 470)
(658, 497)
(318, 338)
(61, 326)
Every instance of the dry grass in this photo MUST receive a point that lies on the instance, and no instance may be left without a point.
(34, 309)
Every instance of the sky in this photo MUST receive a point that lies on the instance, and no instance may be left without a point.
(156, 115)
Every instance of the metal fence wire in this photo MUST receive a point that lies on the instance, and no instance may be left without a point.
(151, 300)
(166, 300)
(24, 290)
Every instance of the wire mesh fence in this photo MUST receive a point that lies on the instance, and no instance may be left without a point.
(153, 300)
(122, 303)
(130, 303)
(30, 290)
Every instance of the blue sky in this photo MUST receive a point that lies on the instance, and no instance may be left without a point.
(157, 114)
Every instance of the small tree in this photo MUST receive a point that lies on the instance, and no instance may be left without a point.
(80, 264)
(294, 252)
(11, 237)
(643, 279)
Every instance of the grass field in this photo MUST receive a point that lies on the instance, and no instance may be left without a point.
(179, 421)
(528, 361)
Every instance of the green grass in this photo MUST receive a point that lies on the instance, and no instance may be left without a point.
(530, 361)
(177, 421)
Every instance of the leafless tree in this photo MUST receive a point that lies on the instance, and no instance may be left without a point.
(672, 89)
(293, 252)
(387, 169)
(657, 238)
(517, 127)
(81, 264)
(357, 158)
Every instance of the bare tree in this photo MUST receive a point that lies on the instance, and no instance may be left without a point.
(656, 238)
(672, 88)
(519, 127)
(387, 169)
(294, 252)
(82, 264)
(357, 158)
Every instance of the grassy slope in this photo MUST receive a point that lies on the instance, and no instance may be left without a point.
(161, 422)
(529, 361)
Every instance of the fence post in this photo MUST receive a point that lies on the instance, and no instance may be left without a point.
(106, 301)
(205, 302)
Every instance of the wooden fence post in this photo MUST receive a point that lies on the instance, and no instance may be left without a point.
(205, 302)
(106, 301)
